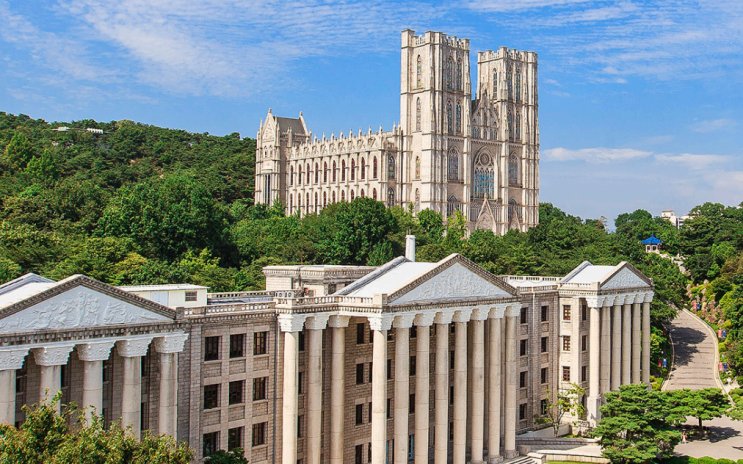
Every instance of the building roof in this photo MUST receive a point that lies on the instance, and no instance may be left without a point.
(588, 274)
(295, 124)
(652, 240)
(21, 281)
(393, 279)
(161, 288)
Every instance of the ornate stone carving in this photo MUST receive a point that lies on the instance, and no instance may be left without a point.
(171, 343)
(291, 322)
(338, 321)
(95, 351)
(479, 314)
(444, 317)
(12, 358)
(380, 322)
(425, 319)
(462, 315)
(593, 301)
(648, 297)
(133, 348)
(403, 321)
(625, 278)
(317, 322)
(55, 355)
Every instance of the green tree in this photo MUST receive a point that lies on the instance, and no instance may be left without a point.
(19, 151)
(568, 402)
(235, 456)
(44, 167)
(705, 404)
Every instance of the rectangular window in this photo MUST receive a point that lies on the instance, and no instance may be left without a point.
(389, 408)
(584, 343)
(583, 312)
(545, 313)
(300, 426)
(389, 369)
(545, 342)
(359, 454)
(566, 373)
(211, 396)
(543, 375)
(368, 452)
(259, 433)
(522, 411)
(107, 369)
(300, 341)
(451, 395)
(144, 416)
(411, 403)
(260, 343)
(411, 447)
(370, 413)
(414, 331)
(211, 443)
(522, 379)
(543, 407)
(300, 383)
(412, 365)
(452, 328)
(234, 438)
(584, 373)
(523, 348)
(524, 315)
(359, 373)
(259, 388)
(64, 372)
(237, 345)
(360, 333)
(451, 360)
(359, 414)
(236, 391)
(566, 343)
(370, 373)
(21, 376)
(211, 348)
(190, 296)
(566, 312)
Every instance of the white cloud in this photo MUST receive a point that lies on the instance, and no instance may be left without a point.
(693, 161)
(599, 154)
(714, 125)
(513, 5)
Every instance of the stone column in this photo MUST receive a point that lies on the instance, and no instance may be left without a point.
(131, 390)
(477, 443)
(441, 414)
(11, 359)
(92, 355)
(594, 356)
(605, 348)
(511, 383)
(315, 326)
(167, 413)
(422, 386)
(402, 326)
(460, 387)
(50, 361)
(616, 346)
(495, 342)
(636, 331)
(291, 325)
(626, 344)
(337, 387)
(646, 339)
(379, 326)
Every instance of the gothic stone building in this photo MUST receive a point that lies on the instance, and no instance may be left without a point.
(432, 362)
(450, 152)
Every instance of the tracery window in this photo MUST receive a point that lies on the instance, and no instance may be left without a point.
(518, 126)
(308, 202)
(459, 119)
(309, 179)
(374, 194)
(513, 170)
(449, 125)
(417, 200)
(353, 195)
(484, 118)
(418, 115)
(343, 195)
(391, 167)
(291, 177)
(343, 170)
(484, 178)
(317, 174)
(363, 169)
(353, 169)
(391, 197)
(509, 79)
(334, 171)
(316, 204)
(419, 73)
(324, 199)
(495, 85)
(291, 202)
(449, 71)
(299, 175)
(510, 126)
(459, 75)
(333, 197)
(374, 169)
(453, 168)
(417, 167)
(299, 200)
(362, 193)
(518, 85)
(325, 173)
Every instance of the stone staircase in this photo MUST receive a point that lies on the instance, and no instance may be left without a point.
(522, 460)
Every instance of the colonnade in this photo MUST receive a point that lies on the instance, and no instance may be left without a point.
(618, 352)
(51, 357)
(498, 386)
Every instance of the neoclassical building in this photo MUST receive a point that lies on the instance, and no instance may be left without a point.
(431, 362)
(452, 150)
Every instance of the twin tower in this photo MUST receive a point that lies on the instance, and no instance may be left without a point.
(450, 152)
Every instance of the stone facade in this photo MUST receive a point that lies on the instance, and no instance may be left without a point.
(450, 152)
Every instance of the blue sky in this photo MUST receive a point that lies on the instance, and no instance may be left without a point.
(641, 102)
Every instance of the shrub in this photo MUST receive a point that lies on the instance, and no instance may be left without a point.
(707, 460)
(725, 461)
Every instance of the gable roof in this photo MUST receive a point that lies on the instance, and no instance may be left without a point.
(29, 278)
(587, 273)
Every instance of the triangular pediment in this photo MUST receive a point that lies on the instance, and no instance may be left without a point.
(81, 302)
(454, 278)
(625, 276)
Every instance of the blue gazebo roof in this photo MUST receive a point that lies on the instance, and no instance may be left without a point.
(653, 240)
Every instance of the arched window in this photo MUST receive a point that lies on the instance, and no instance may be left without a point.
(291, 178)
(333, 197)
(453, 170)
(419, 73)
(353, 169)
(510, 126)
(417, 167)
(343, 195)
(334, 171)
(495, 85)
(513, 170)
(418, 115)
(299, 200)
(459, 119)
(308, 202)
(353, 195)
(449, 71)
(316, 204)
(363, 169)
(343, 171)
(484, 179)
(449, 125)
(417, 200)
(308, 177)
(485, 118)
(299, 177)
(325, 173)
(324, 199)
(317, 174)
(509, 81)
(374, 194)
(459, 74)
(362, 193)
(391, 167)
(391, 197)
(291, 203)
(375, 171)
(518, 85)
(518, 126)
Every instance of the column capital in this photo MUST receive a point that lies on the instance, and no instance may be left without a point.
(171, 343)
(462, 315)
(479, 314)
(444, 317)
(424, 319)
(610, 299)
(403, 321)
(595, 301)
(498, 311)
(337, 321)
(380, 321)
(291, 322)
(317, 322)
(648, 297)
(12, 358)
(95, 351)
(133, 348)
(513, 310)
(55, 355)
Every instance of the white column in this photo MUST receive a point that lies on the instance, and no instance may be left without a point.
(92, 355)
(50, 359)
(494, 383)
(315, 326)
(510, 399)
(379, 326)
(636, 331)
(616, 346)
(422, 386)
(626, 344)
(402, 326)
(594, 356)
(131, 390)
(167, 413)
(459, 444)
(11, 359)
(605, 348)
(441, 394)
(646, 339)
(337, 387)
(291, 325)
(477, 444)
